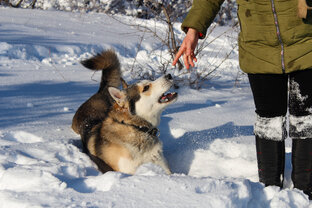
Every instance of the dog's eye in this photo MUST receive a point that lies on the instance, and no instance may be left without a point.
(146, 88)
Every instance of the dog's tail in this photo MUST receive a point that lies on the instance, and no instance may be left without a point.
(108, 62)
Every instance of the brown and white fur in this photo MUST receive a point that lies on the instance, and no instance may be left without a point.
(118, 127)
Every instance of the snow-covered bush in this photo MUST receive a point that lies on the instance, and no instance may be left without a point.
(160, 20)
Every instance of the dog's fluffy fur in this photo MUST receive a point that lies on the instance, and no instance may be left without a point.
(118, 127)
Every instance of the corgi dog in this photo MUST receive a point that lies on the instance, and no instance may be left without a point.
(118, 126)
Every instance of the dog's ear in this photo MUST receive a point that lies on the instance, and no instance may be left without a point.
(118, 95)
(123, 83)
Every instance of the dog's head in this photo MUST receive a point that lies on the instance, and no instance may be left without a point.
(146, 99)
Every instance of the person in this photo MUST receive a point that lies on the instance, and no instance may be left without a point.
(275, 50)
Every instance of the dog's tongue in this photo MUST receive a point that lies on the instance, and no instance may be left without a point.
(163, 97)
(166, 97)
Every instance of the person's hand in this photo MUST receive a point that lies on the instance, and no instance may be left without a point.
(302, 9)
(187, 49)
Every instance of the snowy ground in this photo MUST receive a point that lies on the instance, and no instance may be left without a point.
(207, 134)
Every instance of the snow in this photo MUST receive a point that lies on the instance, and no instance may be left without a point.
(207, 134)
(270, 128)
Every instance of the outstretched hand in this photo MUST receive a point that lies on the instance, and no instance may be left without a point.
(187, 49)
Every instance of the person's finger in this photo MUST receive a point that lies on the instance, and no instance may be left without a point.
(193, 57)
(191, 61)
(178, 55)
(188, 51)
(185, 59)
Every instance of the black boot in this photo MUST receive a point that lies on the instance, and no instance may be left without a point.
(302, 165)
(271, 161)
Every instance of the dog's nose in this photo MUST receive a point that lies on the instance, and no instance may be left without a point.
(168, 76)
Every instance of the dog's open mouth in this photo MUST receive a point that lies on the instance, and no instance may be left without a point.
(165, 98)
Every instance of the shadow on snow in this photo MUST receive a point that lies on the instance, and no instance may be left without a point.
(186, 145)
(38, 101)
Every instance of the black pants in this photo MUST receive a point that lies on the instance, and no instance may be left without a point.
(270, 93)
(273, 98)
(274, 94)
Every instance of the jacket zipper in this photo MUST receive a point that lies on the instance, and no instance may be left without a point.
(279, 36)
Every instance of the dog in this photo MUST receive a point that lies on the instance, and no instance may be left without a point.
(118, 127)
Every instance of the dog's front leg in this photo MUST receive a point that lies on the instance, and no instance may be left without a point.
(160, 160)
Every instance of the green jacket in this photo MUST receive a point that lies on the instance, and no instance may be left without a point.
(262, 49)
